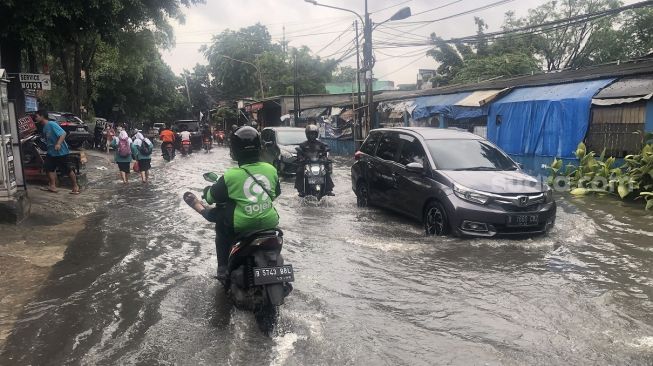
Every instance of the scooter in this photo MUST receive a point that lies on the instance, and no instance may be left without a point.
(220, 138)
(186, 148)
(257, 278)
(168, 151)
(315, 173)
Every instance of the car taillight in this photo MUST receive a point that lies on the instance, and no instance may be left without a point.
(64, 124)
(357, 155)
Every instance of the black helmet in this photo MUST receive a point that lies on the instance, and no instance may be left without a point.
(312, 132)
(246, 145)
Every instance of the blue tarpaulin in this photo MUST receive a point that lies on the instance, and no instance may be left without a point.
(440, 104)
(544, 120)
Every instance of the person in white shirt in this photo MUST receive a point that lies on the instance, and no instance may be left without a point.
(185, 135)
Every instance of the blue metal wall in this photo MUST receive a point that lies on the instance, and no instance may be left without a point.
(340, 147)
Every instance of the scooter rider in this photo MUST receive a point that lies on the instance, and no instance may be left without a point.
(312, 146)
(167, 137)
(243, 196)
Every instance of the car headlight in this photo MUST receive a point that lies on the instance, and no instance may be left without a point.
(470, 195)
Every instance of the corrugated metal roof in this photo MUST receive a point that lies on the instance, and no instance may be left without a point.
(480, 98)
(628, 87)
(614, 70)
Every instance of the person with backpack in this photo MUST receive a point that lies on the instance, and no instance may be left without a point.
(122, 145)
(142, 149)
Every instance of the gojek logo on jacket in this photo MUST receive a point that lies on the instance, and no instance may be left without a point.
(255, 193)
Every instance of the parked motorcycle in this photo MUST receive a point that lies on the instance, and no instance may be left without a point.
(257, 278)
(168, 151)
(315, 173)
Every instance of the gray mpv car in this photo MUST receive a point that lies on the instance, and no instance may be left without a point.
(452, 181)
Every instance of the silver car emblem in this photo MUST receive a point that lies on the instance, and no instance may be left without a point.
(522, 200)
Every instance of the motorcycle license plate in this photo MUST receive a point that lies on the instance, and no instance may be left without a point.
(270, 275)
(81, 129)
(315, 180)
(523, 220)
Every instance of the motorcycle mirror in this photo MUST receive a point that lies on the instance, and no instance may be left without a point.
(210, 177)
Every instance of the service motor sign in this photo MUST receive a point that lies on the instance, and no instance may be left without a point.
(35, 81)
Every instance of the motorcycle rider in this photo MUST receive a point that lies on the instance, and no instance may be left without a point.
(243, 196)
(312, 146)
(167, 136)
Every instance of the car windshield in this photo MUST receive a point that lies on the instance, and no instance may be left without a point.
(460, 154)
(290, 137)
(187, 126)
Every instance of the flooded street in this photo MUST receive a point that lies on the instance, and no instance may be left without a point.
(136, 287)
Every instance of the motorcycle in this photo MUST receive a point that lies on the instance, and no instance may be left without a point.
(220, 138)
(186, 148)
(207, 144)
(168, 151)
(257, 278)
(315, 173)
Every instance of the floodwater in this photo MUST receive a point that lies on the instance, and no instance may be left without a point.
(136, 288)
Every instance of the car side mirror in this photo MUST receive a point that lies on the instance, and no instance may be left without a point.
(415, 168)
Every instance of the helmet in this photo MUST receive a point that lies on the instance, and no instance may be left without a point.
(234, 128)
(312, 132)
(246, 145)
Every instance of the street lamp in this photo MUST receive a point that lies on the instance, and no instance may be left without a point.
(368, 60)
(258, 71)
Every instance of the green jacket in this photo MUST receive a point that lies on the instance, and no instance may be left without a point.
(252, 206)
(136, 152)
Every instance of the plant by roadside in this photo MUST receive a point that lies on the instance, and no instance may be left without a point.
(601, 175)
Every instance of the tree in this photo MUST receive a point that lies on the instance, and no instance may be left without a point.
(200, 88)
(233, 57)
(240, 61)
(345, 74)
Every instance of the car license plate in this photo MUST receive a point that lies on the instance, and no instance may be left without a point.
(270, 275)
(523, 220)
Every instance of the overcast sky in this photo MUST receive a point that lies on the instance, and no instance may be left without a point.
(316, 27)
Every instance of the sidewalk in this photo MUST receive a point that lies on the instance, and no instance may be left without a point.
(29, 250)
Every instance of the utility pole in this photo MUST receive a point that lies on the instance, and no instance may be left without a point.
(296, 106)
(368, 64)
(357, 124)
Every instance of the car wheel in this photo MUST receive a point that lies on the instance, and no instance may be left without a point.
(362, 195)
(436, 222)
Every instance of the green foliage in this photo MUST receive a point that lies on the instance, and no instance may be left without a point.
(237, 57)
(345, 74)
(599, 175)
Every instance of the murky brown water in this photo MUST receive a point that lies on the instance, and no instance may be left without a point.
(137, 288)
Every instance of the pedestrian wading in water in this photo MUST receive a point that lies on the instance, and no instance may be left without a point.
(123, 146)
(142, 150)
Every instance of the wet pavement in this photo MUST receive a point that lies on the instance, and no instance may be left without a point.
(136, 288)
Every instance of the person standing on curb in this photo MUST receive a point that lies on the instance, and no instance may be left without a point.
(142, 149)
(122, 145)
(57, 156)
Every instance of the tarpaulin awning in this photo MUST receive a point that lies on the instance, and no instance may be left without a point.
(616, 101)
(544, 120)
(426, 107)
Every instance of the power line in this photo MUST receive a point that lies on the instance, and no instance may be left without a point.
(403, 67)
(348, 29)
(391, 6)
(437, 8)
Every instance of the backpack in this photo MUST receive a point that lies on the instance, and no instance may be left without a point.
(145, 148)
(124, 150)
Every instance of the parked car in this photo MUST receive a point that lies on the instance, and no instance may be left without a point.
(192, 126)
(452, 181)
(279, 145)
(77, 132)
(157, 127)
